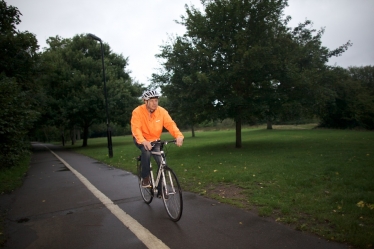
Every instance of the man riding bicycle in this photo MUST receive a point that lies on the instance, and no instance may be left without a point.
(147, 122)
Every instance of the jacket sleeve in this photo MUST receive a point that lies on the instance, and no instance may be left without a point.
(171, 126)
(136, 124)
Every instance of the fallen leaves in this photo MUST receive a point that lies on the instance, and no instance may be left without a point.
(362, 204)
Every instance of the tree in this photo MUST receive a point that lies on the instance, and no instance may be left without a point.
(189, 97)
(365, 106)
(252, 63)
(75, 83)
(299, 61)
(233, 39)
(365, 75)
(350, 103)
(20, 94)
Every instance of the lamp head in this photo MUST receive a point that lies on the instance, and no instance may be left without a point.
(94, 37)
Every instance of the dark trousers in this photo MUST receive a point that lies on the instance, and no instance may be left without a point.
(146, 157)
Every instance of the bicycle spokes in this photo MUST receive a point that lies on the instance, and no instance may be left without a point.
(172, 195)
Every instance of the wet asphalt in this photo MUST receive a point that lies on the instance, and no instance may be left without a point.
(54, 209)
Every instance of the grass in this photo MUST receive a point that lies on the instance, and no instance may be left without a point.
(11, 179)
(315, 180)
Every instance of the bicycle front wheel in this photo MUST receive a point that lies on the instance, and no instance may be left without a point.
(147, 193)
(172, 194)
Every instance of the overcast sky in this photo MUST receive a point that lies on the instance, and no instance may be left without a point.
(136, 28)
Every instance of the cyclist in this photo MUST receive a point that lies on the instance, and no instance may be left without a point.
(147, 122)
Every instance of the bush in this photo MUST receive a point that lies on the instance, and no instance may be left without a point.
(15, 119)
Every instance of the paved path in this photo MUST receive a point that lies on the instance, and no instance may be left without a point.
(71, 201)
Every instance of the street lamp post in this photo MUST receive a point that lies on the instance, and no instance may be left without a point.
(109, 132)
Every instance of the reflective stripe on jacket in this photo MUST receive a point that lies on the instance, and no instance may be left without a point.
(149, 127)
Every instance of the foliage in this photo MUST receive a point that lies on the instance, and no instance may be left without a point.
(75, 86)
(15, 120)
(184, 87)
(19, 101)
(298, 61)
(18, 51)
(227, 39)
(365, 98)
(348, 102)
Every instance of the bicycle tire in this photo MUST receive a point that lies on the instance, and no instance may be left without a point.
(172, 195)
(146, 193)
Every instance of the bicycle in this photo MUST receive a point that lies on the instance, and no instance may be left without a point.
(171, 192)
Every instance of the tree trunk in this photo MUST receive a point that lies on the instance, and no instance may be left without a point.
(78, 134)
(63, 137)
(193, 130)
(46, 138)
(85, 135)
(73, 135)
(238, 123)
(269, 125)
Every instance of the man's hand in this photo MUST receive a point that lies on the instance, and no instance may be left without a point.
(179, 141)
(147, 145)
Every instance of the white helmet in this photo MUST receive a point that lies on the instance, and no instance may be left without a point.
(150, 94)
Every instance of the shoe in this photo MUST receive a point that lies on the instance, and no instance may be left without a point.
(146, 182)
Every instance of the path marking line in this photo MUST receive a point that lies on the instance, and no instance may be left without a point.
(141, 232)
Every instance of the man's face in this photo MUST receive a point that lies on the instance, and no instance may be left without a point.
(152, 104)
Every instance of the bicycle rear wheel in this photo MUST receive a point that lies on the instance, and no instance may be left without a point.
(147, 193)
(172, 194)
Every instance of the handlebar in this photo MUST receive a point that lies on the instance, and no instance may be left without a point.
(163, 142)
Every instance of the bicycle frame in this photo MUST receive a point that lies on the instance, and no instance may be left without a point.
(160, 171)
(170, 190)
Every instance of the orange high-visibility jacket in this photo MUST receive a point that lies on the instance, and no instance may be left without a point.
(149, 127)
